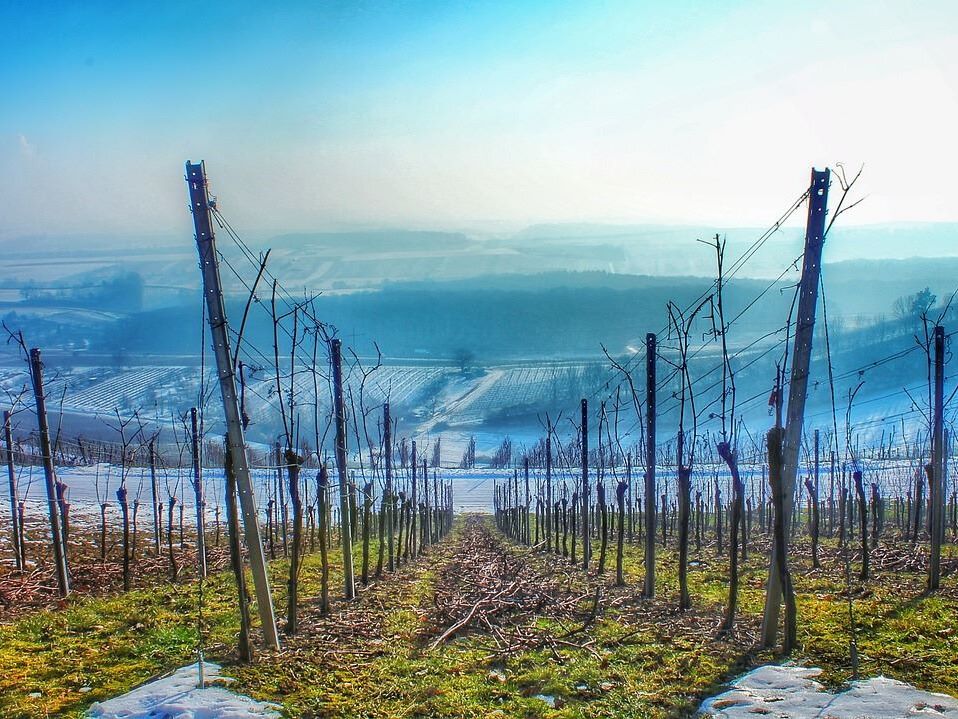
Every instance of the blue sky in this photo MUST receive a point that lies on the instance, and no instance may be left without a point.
(470, 115)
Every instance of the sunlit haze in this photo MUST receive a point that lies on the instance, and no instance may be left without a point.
(470, 116)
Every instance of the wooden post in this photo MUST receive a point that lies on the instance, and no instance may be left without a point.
(367, 516)
(863, 521)
(157, 510)
(774, 440)
(817, 467)
(620, 492)
(436, 521)
(684, 482)
(814, 513)
(414, 513)
(293, 464)
(59, 545)
(236, 561)
(629, 498)
(387, 502)
(427, 512)
(602, 519)
(282, 519)
(831, 494)
(586, 538)
(648, 589)
(322, 500)
(400, 509)
(14, 494)
(236, 441)
(937, 489)
(414, 460)
(344, 528)
(718, 518)
(528, 526)
(573, 525)
(121, 497)
(200, 497)
(954, 500)
(798, 386)
(813, 527)
(548, 507)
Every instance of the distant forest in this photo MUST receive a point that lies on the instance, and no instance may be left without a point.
(438, 321)
(121, 292)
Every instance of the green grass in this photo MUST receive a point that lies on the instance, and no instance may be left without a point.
(107, 645)
(642, 659)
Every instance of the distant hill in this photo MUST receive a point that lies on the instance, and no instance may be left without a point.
(346, 243)
(869, 287)
(346, 261)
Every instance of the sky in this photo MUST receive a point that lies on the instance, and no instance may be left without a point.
(482, 116)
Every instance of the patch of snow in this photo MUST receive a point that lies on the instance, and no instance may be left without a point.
(790, 692)
(547, 698)
(178, 696)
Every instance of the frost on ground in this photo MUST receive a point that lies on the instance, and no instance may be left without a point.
(177, 696)
(791, 692)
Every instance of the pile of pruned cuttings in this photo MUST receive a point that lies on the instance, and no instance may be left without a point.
(349, 629)
(497, 592)
(36, 586)
(358, 630)
(903, 556)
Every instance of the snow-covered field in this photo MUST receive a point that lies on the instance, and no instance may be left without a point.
(472, 488)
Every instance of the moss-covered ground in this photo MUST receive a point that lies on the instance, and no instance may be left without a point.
(372, 657)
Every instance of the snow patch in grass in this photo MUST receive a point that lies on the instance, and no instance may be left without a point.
(790, 692)
(177, 696)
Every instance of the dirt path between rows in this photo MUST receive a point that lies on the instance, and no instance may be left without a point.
(472, 583)
(491, 588)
